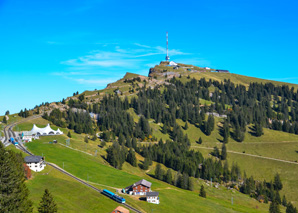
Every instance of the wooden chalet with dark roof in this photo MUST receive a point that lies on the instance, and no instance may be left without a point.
(139, 188)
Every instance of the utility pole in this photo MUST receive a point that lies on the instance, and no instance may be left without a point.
(63, 165)
(232, 201)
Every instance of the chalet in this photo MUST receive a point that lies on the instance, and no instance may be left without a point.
(152, 197)
(139, 188)
(120, 209)
(35, 163)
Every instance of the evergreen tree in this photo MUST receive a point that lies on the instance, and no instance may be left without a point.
(186, 125)
(274, 207)
(223, 152)
(47, 203)
(168, 178)
(203, 192)
(284, 201)
(200, 141)
(106, 136)
(131, 158)
(258, 129)
(69, 134)
(215, 152)
(209, 125)
(158, 172)
(190, 184)
(291, 208)
(277, 197)
(146, 164)
(277, 182)
(4, 120)
(121, 139)
(7, 112)
(13, 191)
(226, 132)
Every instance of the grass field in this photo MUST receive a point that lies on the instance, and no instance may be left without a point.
(85, 166)
(70, 196)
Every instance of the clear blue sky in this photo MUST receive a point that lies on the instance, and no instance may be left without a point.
(50, 49)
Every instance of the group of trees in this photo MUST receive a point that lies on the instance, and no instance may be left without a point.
(117, 154)
(263, 105)
(79, 121)
(221, 155)
(14, 192)
(180, 180)
(24, 113)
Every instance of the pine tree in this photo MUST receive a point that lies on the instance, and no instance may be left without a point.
(215, 152)
(200, 141)
(223, 152)
(190, 184)
(209, 125)
(131, 158)
(284, 201)
(169, 176)
(158, 172)
(203, 192)
(258, 129)
(291, 208)
(121, 139)
(274, 207)
(277, 182)
(69, 134)
(47, 203)
(146, 164)
(86, 139)
(4, 120)
(226, 132)
(186, 126)
(13, 191)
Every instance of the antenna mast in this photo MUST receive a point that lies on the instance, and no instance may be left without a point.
(167, 57)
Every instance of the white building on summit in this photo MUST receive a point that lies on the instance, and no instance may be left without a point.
(36, 131)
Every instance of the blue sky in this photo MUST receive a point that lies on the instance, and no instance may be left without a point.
(50, 49)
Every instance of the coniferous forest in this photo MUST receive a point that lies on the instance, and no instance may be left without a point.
(259, 105)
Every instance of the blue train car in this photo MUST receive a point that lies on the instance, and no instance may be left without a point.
(119, 199)
(113, 196)
(108, 193)
(13, 141)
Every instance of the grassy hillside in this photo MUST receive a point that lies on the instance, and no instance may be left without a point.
(69, 195)
(86, 166)
(97, 171)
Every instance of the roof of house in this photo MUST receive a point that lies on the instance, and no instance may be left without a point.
(152, 194)
(141, 182)
(33, 159)
(121, 209)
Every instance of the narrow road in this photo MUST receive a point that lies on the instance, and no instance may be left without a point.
(8, 132)
(257, 156)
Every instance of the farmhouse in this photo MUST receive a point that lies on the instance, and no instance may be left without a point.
(152, 197)
(35, 163)
(139, 188)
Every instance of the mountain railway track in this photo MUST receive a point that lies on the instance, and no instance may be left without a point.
(8, 133)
